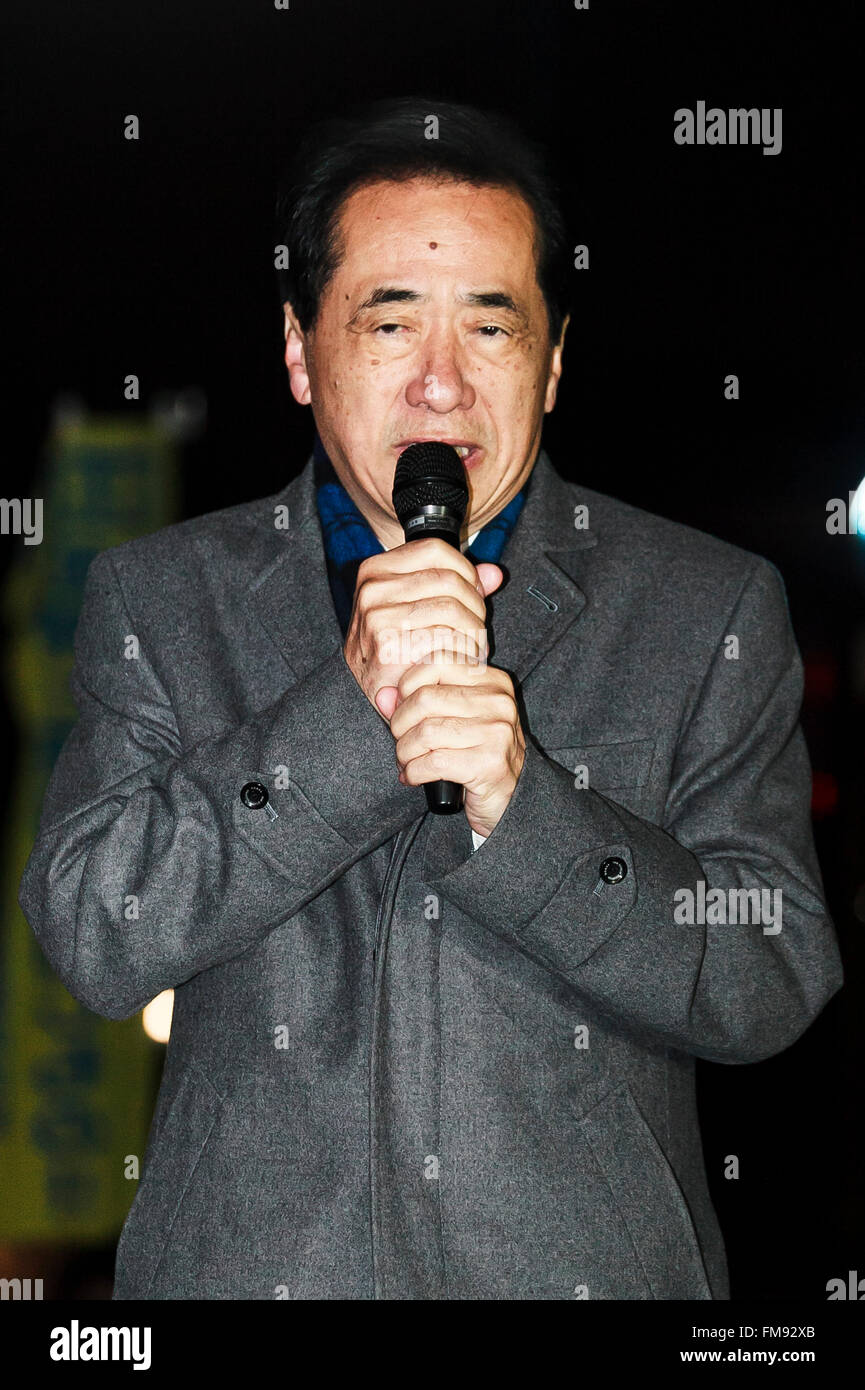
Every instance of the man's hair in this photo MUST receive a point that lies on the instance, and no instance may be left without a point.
(387, 140)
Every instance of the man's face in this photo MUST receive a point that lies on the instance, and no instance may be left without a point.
(432, 327)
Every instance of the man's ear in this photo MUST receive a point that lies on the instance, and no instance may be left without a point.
(555, 368)
(295, 357)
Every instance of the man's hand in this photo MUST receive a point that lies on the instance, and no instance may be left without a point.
(411, 601)
(460, 723)
(417, 647)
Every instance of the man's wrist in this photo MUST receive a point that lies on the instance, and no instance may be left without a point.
(546, 827)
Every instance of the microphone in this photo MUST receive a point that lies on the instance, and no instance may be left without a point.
(430, 497)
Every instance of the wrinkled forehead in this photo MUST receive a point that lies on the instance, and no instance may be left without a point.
(446, 226)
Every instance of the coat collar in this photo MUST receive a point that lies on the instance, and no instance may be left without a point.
(537, 603)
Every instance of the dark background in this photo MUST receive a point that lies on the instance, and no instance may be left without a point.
(156, 257)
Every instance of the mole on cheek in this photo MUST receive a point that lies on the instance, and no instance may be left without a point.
(433, 245)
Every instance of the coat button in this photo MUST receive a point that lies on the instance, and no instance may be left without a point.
(254, 795)
(613, 870)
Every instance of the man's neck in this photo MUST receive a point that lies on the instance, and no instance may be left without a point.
(388, 532)
(384, 527)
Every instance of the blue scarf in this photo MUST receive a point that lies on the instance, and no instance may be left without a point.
(348, 537)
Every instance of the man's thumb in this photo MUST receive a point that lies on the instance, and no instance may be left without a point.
(386, 699)
(490, 576)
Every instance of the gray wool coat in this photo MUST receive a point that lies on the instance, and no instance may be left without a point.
(399, 1069)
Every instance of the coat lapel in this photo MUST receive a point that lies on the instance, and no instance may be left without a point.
(538, 602)
(291, 594)
(540, 598)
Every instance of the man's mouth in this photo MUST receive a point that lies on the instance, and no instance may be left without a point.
(470, 452)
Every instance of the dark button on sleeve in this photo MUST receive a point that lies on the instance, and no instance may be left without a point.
(613, 870)
(254, 795)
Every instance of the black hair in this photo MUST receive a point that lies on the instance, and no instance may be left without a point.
(387, 140)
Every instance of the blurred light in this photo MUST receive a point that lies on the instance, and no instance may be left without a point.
(68, 408)
(156, 1018)
(856, 519)
(857, 661)
(821, 678)
(824, 795)
(181, 414)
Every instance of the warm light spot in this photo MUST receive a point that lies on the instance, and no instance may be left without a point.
(156, 1018)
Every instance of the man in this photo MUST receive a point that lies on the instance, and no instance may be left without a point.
(418, 1056)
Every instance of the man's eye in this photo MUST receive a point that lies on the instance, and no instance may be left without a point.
(385, 327)
(489, 330)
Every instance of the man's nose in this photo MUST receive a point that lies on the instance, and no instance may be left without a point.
(440, 382)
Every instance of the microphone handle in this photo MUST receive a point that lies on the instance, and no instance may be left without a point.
(442, 798)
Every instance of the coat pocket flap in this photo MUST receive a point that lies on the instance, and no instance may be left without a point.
(609, 764)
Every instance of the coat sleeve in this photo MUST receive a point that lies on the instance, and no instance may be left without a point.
(148, 867)
(737, 817)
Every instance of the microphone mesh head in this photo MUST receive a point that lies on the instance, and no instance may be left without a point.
(430, 474)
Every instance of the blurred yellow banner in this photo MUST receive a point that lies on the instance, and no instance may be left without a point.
(76, 1090)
